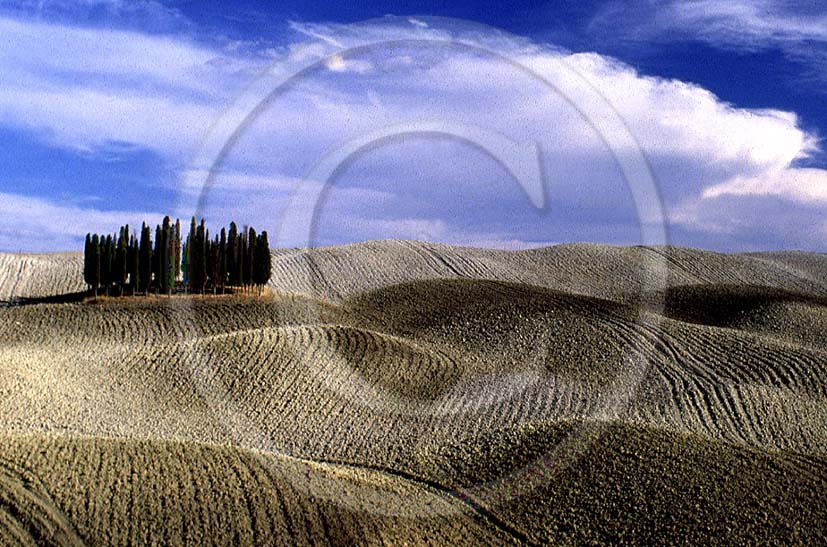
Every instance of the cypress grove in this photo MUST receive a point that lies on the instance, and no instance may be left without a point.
(124, 264)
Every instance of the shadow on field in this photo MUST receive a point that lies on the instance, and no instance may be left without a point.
(723, 305)
(67, 298)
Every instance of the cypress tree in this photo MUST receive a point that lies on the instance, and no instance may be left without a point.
(95, 263)
(215, 263)
(222, 259)
(176, 270)
(132, 263)
(204, 249)
(244, 256)
(250, 257)
(157, 260)
(173, 254)
(145, 260)
(207, 256)
(104, 260)
(111, 245)
(184, 265)
(107, 263)
(113, 261)
(170, 271)
(126, 239)
(190, 252)
(204, 256)
(192, 258)
(103, 275)
(263, 265)
(165, 258)
(119, 263)
(199, 266)
(239, 258)
(232, 256)
(87, 261)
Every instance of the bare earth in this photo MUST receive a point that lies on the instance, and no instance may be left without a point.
(404, 393)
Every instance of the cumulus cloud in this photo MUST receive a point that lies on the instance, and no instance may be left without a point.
(84, 87)
(807, 186)
(88, 87)
(737, 222)
(35, 224)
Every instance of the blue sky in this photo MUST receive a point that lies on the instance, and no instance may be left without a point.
(115, 112)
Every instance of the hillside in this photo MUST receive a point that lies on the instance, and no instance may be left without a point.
(399, 392)
(603, 271)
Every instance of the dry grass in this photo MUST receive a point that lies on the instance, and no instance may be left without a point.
(418, 373)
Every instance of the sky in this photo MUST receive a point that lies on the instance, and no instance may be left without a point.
(498, 124)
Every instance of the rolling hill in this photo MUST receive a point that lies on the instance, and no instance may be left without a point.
(398, 392)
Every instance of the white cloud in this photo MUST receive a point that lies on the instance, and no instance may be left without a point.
(418, 22)
(234, 181)
(162, 93)
(807, 186)
(798, 29)
(85, 88)
(35, 224)
(421, 229)
(751, 222)
(670, 117)
(146, 15)
(336, 63)
(749, 23)
(741, 24)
